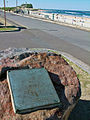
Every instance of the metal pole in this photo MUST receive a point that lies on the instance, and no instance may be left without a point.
(4, 13)
(7, 3)
(16, 3)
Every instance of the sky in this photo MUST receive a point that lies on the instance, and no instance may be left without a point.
(52, 4)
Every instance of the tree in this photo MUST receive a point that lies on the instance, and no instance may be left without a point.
(27, 5)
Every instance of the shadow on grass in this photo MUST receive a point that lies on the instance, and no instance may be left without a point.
(81, 111)
(13, 28)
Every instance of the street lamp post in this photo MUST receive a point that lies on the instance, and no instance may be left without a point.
(7, 3)
(4, 13)
(16, 3)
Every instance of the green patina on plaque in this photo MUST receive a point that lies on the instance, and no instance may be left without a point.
(31, 90)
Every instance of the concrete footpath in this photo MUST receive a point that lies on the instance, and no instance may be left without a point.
(78, 62)
(3, 23)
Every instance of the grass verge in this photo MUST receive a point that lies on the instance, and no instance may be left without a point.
(84, 78)
(8, 28)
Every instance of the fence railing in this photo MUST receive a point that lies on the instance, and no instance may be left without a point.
(78, 21)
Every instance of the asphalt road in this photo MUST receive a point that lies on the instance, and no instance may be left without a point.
(48, 35)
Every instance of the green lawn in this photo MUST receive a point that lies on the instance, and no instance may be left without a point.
(8, 29)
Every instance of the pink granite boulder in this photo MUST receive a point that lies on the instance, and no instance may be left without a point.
(63, 76)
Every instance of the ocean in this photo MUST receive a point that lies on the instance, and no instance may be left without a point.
(69, 12)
